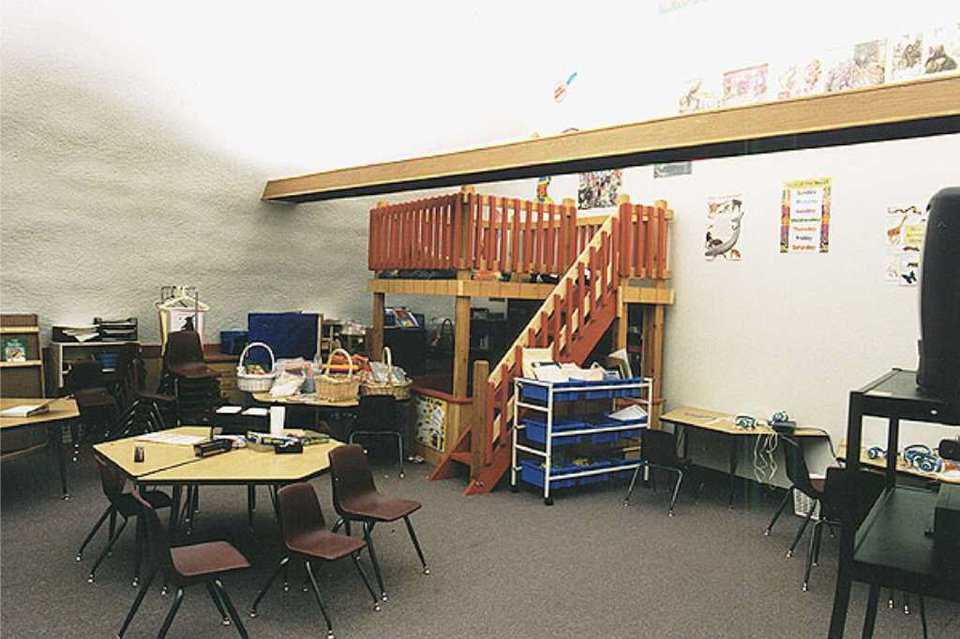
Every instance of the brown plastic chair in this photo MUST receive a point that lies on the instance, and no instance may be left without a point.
(305, 537)
(187, 376)
(126, 505)
(185, 566)
(658, 450)
(183, 356)
(355, 498)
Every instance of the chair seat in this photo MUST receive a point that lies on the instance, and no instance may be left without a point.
(156, 397)
(818, 484)
(128, 506)
(94, 398)
(194, 370)
(200, 560)
(324, 544)
(377, 507)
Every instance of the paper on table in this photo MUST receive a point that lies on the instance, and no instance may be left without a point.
(171, 438)
(257, 411)
(629, 413)
(229, 410)
(27, 410)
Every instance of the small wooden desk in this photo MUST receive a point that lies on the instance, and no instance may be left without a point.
(60, 412)
(902, 466)
(687, 417)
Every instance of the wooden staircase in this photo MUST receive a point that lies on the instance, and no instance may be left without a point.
(572, 320)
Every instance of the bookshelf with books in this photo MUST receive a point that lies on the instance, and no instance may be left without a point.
(21, 366)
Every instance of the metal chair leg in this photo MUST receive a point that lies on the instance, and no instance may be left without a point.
(224, 619)
(811, 549)
(870, 618)
(174, 607)
(818, 542)
(93, 532)
(136, 603)
(337, 524)
(225, 598)
(416, 544)
(140, 541)
(366, 582)
(103, 555)
(400, 452)
(633, 483)
(906, 603)
(367, 529)
(923, 616)
(676, 491)
(776, 515)
(803, 527)
(316, 593)
(890, 602)
(266, 586)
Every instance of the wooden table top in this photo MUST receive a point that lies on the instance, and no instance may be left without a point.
(61, 408)
(246, 465)
(156, 456)
(724, 423)
(952, 477)
(304, 400)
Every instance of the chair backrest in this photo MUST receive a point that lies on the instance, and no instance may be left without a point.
(183, 347)
(299, 510)
(377, 412)
(796, 466)
(84, 374)
(350, 473)
(157, 540)
(112, 480)
(659, 447)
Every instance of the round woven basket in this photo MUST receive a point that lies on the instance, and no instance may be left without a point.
(255, 382)
(333, 387)
(399, 392)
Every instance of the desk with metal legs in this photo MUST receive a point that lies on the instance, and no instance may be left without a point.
(60, 412)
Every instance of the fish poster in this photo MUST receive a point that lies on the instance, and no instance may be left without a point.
(724, 217)
(905, 228)
(805, 216)
(599, 189)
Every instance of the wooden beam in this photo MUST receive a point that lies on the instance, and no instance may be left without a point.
(376, 336)
(926, 106)
(461, 346)
(506, 290)
(479, 428)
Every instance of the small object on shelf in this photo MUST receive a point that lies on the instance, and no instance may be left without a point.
(138, 454)
(14, 349)
(119, 330)
(27, 410)
(212, 447)
(74, 333)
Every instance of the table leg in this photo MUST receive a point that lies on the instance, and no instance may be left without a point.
(841, 600)
(251, 503)
(55, 433)
(75, 439)
(870, 619)
(175, 509)
(734, 449)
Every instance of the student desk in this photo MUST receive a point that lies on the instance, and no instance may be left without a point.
(686, 418)
(60, 412)
(175, 465)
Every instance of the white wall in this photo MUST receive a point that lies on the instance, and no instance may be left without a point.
(136, 140)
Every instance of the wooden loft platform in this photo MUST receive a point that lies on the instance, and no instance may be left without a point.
(632, 294)
(894, 111)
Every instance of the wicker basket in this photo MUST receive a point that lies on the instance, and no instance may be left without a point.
(337, 388)
(255, 382)
(399, 392)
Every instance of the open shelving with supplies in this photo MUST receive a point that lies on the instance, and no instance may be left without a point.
(21, 372)
(539, 424)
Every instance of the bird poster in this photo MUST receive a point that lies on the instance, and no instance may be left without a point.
(724, 218)
(805, 216)
(906, 227)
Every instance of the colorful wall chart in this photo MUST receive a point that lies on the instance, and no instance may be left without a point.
(805, 216)
(905, 228)
(599, 189)
(724, 217)
(431, 422)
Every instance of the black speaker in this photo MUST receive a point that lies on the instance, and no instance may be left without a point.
(939, 371)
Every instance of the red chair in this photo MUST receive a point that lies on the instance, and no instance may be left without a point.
(185, 566)
(355, 498)
(126, 505)
(305, 537)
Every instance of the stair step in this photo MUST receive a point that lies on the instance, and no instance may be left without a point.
(463, 458)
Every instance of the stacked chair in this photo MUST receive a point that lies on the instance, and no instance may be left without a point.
(186, 376)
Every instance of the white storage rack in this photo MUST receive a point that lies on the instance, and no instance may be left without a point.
(645, 385)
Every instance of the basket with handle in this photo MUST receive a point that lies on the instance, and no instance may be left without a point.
(398, 390)
(255, 382)
(333, 387)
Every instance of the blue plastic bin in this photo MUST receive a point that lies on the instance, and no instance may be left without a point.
(531, 472)
(536, 430)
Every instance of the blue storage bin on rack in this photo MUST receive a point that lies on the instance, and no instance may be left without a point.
(539, 425)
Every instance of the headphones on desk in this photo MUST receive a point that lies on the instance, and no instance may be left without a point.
(921, 457)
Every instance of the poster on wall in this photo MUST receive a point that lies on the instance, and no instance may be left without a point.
(906, 57)
(724, 216)
(798, 80)
(905, 227)
(745, 86)
(599, 189)
(941, 49)
(431, 428)
(805, 216)
(697, 95)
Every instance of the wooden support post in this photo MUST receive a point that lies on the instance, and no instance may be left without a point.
(461, 346)
(479, 426)
(376, 336)
(622, 322)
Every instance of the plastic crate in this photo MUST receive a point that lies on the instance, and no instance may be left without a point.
(232, 342)
(535, 428)
(531, 472)
(802, 503)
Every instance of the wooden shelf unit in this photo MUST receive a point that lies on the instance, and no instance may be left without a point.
(22, 378)
(914, 108)
(60, 357)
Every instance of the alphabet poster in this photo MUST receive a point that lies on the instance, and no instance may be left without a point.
(724, 215)
(805, 216)
(431, 429)
(906, 227)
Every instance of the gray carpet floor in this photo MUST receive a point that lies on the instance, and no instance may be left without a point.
(503, 565)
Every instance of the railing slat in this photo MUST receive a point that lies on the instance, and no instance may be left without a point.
(515, 264)
(662, 242)
(528, 237)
